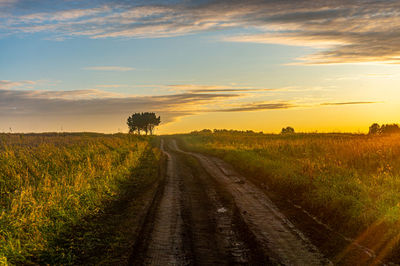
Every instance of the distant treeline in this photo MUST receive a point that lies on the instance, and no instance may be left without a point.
(374, 129)
(384, 129)
(287, 130)
(223, 131)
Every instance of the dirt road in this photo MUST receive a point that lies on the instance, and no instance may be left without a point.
(207, 214)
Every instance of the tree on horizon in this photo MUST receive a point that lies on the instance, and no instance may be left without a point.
(143, 121)
(375, 129)
(287, 130)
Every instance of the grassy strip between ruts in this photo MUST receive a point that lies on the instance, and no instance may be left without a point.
(351, 182)
(71, 199)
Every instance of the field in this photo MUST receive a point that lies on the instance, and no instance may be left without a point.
(56, 191)
(350, 182)
(112, 199)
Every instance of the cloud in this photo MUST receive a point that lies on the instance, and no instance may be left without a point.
(341, 31)
(348, 103)
(71, 95)
(258, 107)
(80, 104)
(109, 68)
(231, 90)
(262, 106)
(7, 84)
(95, 109)
(63, 15)
(196, 88)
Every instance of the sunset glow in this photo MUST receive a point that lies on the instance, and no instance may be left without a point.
(260, 65)
(199, 132)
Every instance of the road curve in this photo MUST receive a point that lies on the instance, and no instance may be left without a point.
(281, 240)
(207, 214)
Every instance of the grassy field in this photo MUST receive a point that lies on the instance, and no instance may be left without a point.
(349, 181)
(55, 190)
(71, 199)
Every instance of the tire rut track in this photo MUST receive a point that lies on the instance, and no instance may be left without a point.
(223, 242)
(279, 238)
(207, 214)
(199, 220)
(166, 244)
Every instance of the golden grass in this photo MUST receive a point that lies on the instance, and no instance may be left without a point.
(50, 181)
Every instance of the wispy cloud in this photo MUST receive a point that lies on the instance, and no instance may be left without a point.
(98, 104)
(110, 68)
(20, 105)
(348, 103)
(214, 88)
(341, 31)
(63, 15)
(7, 84)
(260, 106)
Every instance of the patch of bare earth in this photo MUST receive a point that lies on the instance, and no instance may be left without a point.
(194, 223)
(280, 241)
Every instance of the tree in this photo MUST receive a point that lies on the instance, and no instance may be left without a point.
(143, 121)
(151, 121)
(384, 129)
(135, 123)
(287, 130)
(390, 129)
(374, 129)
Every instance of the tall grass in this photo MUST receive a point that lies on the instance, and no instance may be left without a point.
(50, 181)
(352, 182)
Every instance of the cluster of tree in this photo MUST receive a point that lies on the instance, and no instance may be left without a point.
(143, 121)
(202, 132)
(223, 131)
(384, 129)
(287, 130)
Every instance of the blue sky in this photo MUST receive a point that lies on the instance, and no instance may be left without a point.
(86, 65)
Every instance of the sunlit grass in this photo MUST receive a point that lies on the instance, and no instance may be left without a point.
(349, 181)
(48, 182)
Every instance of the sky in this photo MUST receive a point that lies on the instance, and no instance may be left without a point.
(86, 65)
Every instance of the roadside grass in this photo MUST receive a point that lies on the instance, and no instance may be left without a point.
(62, 197)
(349, 181)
